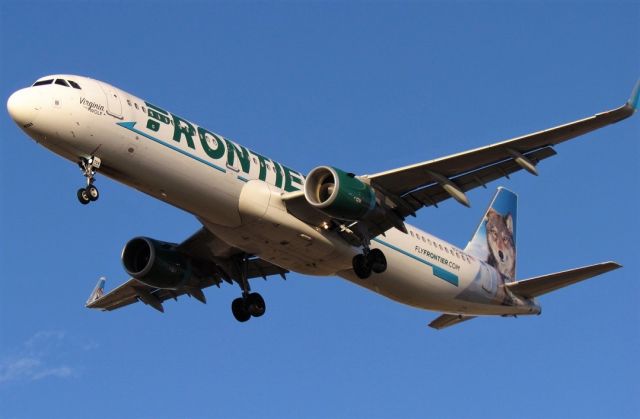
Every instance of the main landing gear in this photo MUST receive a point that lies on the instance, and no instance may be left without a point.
(251, 304)
(89, 168)
(371, 260)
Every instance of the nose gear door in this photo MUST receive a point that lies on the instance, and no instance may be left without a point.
(114, 106)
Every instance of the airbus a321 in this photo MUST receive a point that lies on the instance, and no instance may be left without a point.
(260, 217)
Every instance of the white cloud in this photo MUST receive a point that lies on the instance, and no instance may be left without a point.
(35, 359)
(18, 369)
(60, 372)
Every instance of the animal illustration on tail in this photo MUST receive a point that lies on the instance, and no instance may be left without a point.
(494, 244)
(501, 244)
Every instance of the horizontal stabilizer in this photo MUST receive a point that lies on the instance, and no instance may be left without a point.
(447, 320)
(540, 285)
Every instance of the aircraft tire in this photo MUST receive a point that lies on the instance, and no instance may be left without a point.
(83, 197)
(377, 260)
(361, 266)
(256, 305)
(92, 193)
(240, 310)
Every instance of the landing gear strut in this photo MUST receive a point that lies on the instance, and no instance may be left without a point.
(251, 304)
(89, 169)
(371, 260)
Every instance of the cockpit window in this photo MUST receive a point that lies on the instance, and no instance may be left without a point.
(43, 82)
(74, 84)
(62, 82)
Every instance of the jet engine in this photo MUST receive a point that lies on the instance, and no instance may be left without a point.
(155, 263)
(339, 194)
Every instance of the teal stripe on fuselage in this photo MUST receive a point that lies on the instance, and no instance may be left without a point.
(130, 127)
(437, 271)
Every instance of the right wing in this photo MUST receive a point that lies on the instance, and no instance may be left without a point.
(540, 285)
(214, 262)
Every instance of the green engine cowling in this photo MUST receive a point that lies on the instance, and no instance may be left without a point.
(339, 194)
(155, 263)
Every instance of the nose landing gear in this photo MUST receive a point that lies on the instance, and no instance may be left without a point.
(89, 168)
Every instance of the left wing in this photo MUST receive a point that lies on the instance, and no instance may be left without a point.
(430, 182)
(213, 262)
(405, 190)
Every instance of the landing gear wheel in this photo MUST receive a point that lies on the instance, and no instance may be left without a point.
(92, 193)
(83, 196)
(377, 261)
(256, 305)
(240, 310)
(361, 266)
(89, 167)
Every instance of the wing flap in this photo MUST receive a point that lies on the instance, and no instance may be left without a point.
(534, 287)
(434, 193)
(447, 320)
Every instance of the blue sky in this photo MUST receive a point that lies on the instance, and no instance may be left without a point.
(365, 87)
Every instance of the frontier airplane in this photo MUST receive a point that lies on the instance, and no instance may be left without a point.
(262, 218)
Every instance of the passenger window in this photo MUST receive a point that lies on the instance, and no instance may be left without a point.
(424, 240)
(43, 82)
(74, 84)
(128, 102)
(136, 105)
(144, 110)
(62, 82)
(411, 232)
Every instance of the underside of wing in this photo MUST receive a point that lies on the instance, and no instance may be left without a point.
(431, 182)
(211, 261)
(396, 194)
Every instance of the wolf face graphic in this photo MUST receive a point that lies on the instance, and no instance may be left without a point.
(502, 251)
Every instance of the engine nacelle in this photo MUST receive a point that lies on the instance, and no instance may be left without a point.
(339, 194)
(155, 263)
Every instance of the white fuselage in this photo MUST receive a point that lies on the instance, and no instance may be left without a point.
(236, 192)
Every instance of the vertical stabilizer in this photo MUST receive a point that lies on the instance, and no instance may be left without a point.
(494, 241)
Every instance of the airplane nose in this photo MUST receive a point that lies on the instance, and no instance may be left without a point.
(23, 107)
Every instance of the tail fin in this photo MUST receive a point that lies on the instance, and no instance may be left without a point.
(98, 291)
(494, 241)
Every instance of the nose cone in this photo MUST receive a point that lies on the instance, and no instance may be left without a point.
(23, 107)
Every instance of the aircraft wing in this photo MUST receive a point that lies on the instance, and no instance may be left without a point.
(213, 263)
(407, 189)
(433, 181)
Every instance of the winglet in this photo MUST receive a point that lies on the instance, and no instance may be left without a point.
(635, 93)
(98, 291)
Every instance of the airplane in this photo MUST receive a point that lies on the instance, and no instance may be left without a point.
(261, 218)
